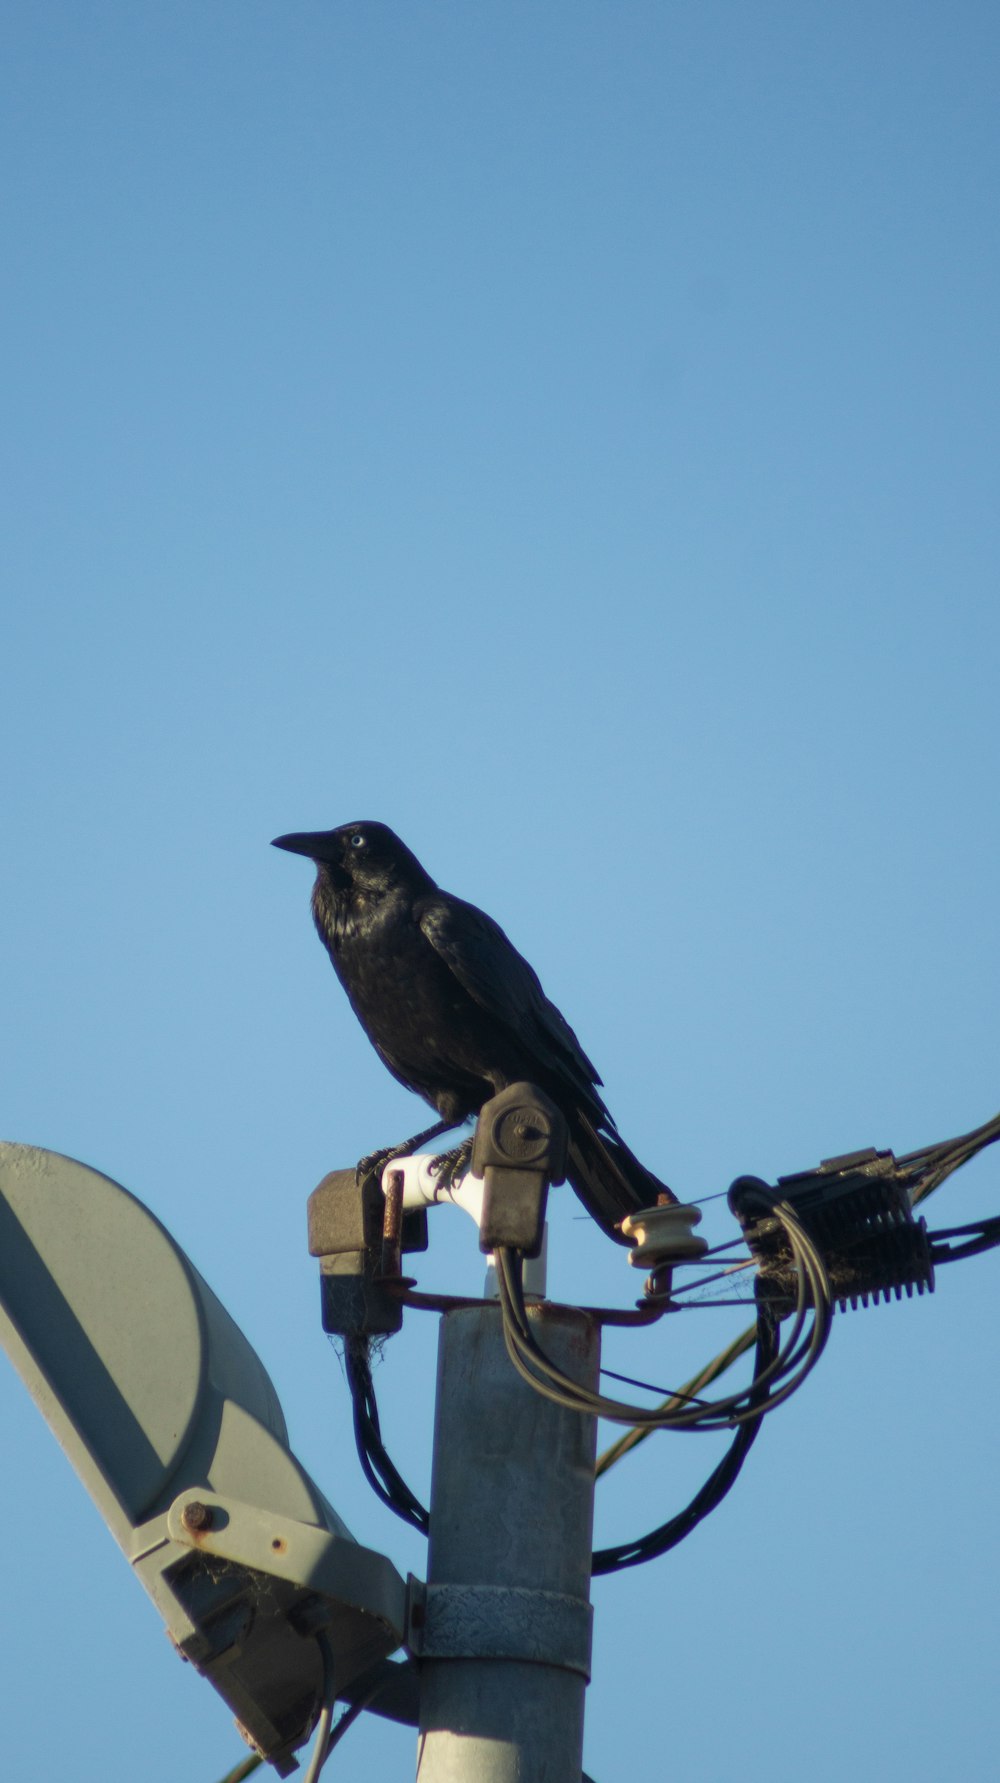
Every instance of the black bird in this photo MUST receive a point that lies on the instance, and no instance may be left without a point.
(453, 1009)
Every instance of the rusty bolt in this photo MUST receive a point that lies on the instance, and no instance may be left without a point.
(197, 1516)
(392, 1226)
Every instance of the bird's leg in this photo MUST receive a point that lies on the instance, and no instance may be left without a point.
(450, 1166)
(375, 1162)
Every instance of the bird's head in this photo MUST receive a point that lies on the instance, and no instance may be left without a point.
(363, 856)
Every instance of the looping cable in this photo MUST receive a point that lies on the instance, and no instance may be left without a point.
(779, 1376)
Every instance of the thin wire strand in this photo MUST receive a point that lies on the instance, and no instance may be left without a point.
(675, 1393)
(710, 1495)
(719, 1365)
(782, 1375)
(719, 1275)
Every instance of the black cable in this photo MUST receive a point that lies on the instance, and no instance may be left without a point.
(981, 1235)
(710, 1495)
(778, 1371)
(376, 1460)
(782, 1374)
(928, 1167)
(664, 1392)
(377, 1465)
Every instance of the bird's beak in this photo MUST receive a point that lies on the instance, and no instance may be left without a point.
(314, 843)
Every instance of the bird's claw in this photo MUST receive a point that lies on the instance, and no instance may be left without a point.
(373, 1165)
(375, 1162)
(450, 1166)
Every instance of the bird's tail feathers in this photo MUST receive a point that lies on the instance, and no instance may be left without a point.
(609, 1178)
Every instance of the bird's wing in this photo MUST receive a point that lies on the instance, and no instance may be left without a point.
(498, 978)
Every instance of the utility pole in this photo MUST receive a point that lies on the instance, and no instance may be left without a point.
(501, 1631)
(503, 1628)
(174, 1427)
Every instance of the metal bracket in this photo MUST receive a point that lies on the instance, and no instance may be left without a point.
(519, 1149)
(499, 1622)
(157, 1397)
(299, 1554)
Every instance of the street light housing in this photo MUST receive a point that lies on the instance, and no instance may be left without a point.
(173, 1425)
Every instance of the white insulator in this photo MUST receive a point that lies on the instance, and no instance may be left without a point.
(422, 1187)
(664, 1235)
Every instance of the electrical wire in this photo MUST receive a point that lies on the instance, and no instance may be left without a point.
(925, 1170)
(664, 1392)
(322, 1741)
(710, 1495)
(779, 1369)
(244, 1769)
(928, 1167)
(712, 1371)
(376, 1464)
(345, 1723)
(981, 1235)
(781, 1375)
(321, 1745)
(704, 1281)
(328, 1736)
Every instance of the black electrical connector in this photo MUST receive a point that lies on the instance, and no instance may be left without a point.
(519, 1149)
(844, 1233)
(857, 1211)
(347, 1232)
(346, 1227)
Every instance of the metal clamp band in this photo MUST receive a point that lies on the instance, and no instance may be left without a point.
(499, 1622)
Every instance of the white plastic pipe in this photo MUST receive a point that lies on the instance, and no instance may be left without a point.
(423, 1188)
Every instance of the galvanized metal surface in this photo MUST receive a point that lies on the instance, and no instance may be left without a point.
(500, 1622)
(174, 1428)
(511, 1521)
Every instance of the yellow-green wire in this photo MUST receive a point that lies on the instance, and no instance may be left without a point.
(245, 1768)
(745, 1341)
(711, 1372)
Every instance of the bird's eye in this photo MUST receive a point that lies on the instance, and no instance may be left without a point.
(357, 840)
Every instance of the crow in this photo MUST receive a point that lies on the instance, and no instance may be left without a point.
(455, 1012)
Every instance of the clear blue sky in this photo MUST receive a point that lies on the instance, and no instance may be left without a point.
(567, 432)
